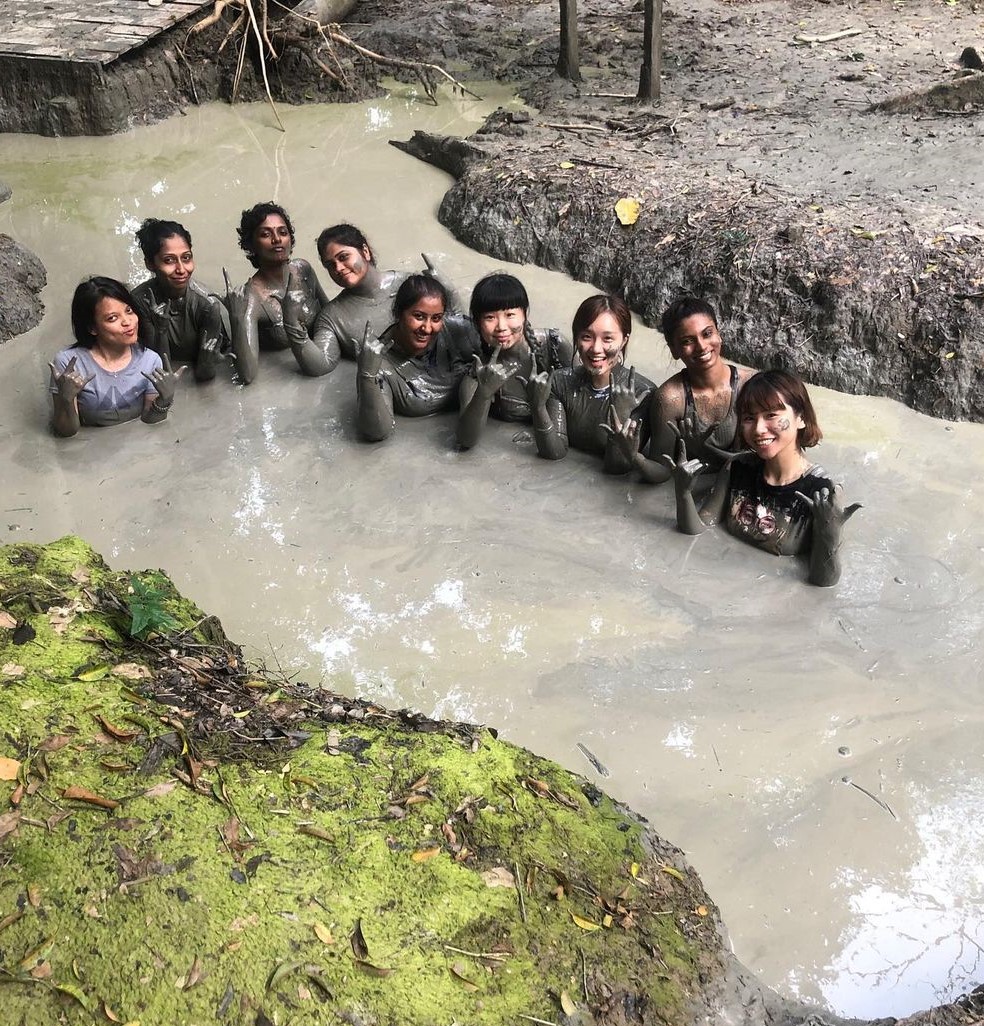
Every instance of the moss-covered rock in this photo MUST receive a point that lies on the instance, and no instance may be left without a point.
(187, 840)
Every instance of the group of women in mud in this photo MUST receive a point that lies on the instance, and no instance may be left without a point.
(738, 439)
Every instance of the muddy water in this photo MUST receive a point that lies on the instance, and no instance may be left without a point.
(819, 754)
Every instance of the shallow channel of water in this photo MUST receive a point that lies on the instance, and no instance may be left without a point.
(729, 700)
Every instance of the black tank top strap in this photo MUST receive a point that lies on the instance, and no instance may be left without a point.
(689, 406)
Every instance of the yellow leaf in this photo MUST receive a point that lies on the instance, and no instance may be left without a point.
(627, 210)
(567, 1003)
(607, 921)
(566, 165)
(424, 854)
(585, 924)
(323, 934)
(949, 356)
(701, 910)
(672, 871)
(96, 673)
(9, 768)
(634, 869)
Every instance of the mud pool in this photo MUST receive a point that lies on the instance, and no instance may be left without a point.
(729, 701)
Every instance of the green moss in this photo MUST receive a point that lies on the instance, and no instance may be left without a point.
(208, 916)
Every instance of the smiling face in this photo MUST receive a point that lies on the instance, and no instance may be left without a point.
(173, 265)
(115, 323)
(502, 327)
(771, 431)
(271, 241)
(346, 265)
(697, 342)
(419, 324)
(600, 347)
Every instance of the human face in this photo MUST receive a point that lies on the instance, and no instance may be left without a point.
(346, 265)
(600, 347)
(419, 325)
(697, 343)
(173, 265)
(502, 327)
(114, 323)
(772, 432)
(271, 241)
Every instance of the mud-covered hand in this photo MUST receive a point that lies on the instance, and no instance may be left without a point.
(429, 269)
(624, 435)
(688, 428)
(622, 398)
(538, 389)
(237, 299)
(371, 356)
(297, 309)
(164, 382)
(685, 471)
(493, 375)
(69, 383)
(829, 517)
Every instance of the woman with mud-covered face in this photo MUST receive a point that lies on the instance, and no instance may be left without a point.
(276, 308)
(698, 404)
(770, 494)
(367, 293)
(512, 352)
(415, 368)
(189, 322)
(574, 407)
(108, 376)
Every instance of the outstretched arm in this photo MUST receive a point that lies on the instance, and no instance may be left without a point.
(549, 418)
(477, 392)
(375, 420)
(209, 341)
(298, 312)
(65, 406)
(158, 401)
(829, 519)
(326, 339)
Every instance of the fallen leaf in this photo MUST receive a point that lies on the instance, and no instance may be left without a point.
(8, 823)
(10, 919)
(9, 768)
(7, 621)
(359, 947)
(42, 971)
(280, 972)
(131, 671)
(424, 854)
(323, 933)
(315, 831)
(458, 972)
(34, 895)
(80, 575)
(109, 1013)
(606, 922)
(12, 670)
(372, 970)
(73, 992)
(567, 1003)
(94, 673)
(701, 910)
(117, 732)
(585, 924)
(627, 210)
(80, 794)
(672, 871)
(54, 743)
(161, 789)
(566, 165)
(38, 954)
(195, 974)
(498, 876)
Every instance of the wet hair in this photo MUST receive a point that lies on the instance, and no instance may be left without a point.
(679, 310)
(153, 232)
(594, 306)
(498, 292)
(87, 297)
(771, 388)
(252, 219)
(415, 288)
(343, 235)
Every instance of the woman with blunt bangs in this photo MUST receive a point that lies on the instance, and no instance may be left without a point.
(108, 376)
(416, 366)
(770, 494)
(189, 323)
(277, 306)
(573, 408)
(512, 353)
(367, 293)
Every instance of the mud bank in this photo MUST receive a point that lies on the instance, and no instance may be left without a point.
(22, 277)
(276, 847)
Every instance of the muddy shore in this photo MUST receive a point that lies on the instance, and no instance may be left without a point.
(22, 277)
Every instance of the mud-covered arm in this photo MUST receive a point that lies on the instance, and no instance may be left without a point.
(65, 388)
(210, 334)
(622, 400)
(244, 318)
(326, 339)
(298, 307)
(159, 399)
(477, 390)
(829, 519)
(549, 418)
(375, 420)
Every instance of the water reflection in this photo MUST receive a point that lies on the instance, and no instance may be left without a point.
(547, 600)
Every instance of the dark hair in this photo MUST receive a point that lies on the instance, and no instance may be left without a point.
(152, 233)
(86, 299)
(413, 289)
(498, 292)
(594, 306)
(679, 310)
(343, 235)
(771, 388)
(252, 219)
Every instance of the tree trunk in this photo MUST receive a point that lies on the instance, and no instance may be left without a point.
(568, 63)
(651, 50)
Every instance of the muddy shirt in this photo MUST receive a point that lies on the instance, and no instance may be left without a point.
(763, 514)
(578, 410)
(184, 323)
(550, 352)
(429, 383)
(723, 435)
(340, 326)
(112, 397)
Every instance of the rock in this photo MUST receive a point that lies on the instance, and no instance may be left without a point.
(22, 277)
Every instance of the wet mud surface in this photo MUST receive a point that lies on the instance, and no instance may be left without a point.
(726, 700)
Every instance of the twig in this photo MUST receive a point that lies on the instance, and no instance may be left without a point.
(843, 34)
(577, 128)
(584, 975)
(533, 1018)
(873, 797)
(519, 891)
(497, 955)
(259, 43)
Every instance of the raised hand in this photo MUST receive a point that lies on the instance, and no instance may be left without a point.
(538, 389)
(688, 428)
(164, 381)
(370, 360)
(829, 517)
(622, 398)
(296, 306)
(429, 269)
(623, 435)
(237, 299)
(69, 383)
(493, 375)
(685, 471)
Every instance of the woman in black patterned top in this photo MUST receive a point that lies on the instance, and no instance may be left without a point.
(771, 495)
